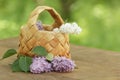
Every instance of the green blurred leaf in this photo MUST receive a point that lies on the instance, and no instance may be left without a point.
(40, 51)
(49, 57)
(24, 63)
(15, 66)
(9, 53)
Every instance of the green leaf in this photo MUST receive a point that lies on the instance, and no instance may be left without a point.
(9, 53)
(15, 66)
(40, 51)
(49, 57)
(24, 63)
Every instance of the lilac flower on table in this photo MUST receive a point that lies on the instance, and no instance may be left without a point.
(62, 64)
(40, 65)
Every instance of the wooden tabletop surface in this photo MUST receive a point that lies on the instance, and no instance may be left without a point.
(93, 64)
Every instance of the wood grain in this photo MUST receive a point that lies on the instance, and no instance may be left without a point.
(92, 64)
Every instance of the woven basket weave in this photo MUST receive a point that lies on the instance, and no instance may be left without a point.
(30, 36)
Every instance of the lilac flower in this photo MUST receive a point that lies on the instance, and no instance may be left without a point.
(62, 64)
(69, 28)
(40, 65)
(39, 25)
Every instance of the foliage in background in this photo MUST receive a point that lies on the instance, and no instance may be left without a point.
(98, 19)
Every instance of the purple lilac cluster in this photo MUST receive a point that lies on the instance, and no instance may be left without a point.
(58, 64)
(39, 25)
(62, 64)
(40, 65)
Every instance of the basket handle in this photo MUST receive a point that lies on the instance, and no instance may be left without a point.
(58, 21)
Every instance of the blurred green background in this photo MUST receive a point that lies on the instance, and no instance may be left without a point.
(99, 19)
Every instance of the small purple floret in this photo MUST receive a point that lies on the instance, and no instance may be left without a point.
(62, 64)
(39, 25)
(40, 65)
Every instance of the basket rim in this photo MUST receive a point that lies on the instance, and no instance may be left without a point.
(42, 31)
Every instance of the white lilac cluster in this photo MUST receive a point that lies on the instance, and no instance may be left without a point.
(69, 28)
(58, 64)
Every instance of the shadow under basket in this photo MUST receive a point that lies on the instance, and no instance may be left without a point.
(31, 36)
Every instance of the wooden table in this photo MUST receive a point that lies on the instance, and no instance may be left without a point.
(93, 64)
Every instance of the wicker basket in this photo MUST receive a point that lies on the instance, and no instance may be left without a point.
(30, 36)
